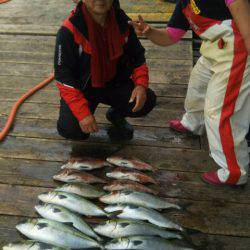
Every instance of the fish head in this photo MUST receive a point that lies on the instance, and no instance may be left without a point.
(47, 197)
(19, 245)
(114, 208)
(44, 207)
(103, 227)
(65, 166)
(65, 172)
(26, 226)
(109, 197)
(116, 160)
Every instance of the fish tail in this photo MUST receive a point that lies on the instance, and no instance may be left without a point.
(185, 206)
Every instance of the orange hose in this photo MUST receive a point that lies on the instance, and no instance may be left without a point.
(16, 106)
(4, 1)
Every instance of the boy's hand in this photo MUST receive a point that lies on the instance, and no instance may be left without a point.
(89, 125)
(141, 27)
(139, 95)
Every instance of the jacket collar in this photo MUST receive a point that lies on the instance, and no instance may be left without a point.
(78, 20)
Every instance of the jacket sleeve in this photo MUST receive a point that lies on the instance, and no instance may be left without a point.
(136, 52)
(178, 19)
(65, 61)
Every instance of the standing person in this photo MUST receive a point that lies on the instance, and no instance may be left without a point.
(99, 59)
(218, 96)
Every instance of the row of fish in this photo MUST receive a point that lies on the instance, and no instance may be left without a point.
(87, 164)
(133, 210)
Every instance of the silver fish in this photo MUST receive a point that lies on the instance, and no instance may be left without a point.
(137, 199)
(143, 242)
(60, 214)
(142, 213)
(82, 189)
(85, 163)
(125, 228)
(56, 233)
(130, 163)
(31, 245)
(72, 202)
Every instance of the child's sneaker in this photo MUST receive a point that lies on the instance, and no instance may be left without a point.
(177, 126)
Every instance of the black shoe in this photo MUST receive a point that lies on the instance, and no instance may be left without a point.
(121, 129)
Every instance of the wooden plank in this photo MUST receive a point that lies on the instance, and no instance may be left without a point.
(52, 98)
(44, 52)
(60, 150)
(160, 71)
(159, 117)
(12, 92)
(22, 83)
(205, 216)
(51, 30)
(161, 137)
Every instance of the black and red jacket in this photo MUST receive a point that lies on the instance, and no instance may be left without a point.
(73, 55)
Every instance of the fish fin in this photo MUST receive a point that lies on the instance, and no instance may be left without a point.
(187, 233)
(190, 231)
(42, 225)
(186, 206)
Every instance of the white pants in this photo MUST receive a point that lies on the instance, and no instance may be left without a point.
(218, 100)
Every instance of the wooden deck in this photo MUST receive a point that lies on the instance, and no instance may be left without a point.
(33, 151)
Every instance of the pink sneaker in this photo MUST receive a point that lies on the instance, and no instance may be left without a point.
(177, 126)
(212, 178)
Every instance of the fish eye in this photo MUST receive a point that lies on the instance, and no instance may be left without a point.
(137, 242)
(127, 192)
(42, 225)
(56, 210)
(61, 196)
(124, 224)
(133, 207)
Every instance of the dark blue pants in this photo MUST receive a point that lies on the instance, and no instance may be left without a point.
(115, 95)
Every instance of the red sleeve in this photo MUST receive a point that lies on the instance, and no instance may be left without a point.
(140, 76)
(75, 100)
